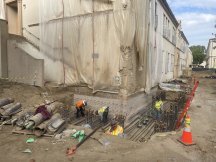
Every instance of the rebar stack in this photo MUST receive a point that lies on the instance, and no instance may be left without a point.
(142, 127)
(145, 125)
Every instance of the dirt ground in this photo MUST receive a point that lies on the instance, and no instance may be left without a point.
(158, 149)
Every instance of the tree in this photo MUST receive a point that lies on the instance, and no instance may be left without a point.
(198, 54)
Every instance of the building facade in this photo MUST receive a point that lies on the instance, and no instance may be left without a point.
(119, 49)
(211, 54)
(168, 45)
(167, 51)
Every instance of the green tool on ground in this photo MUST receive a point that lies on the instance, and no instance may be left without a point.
(80, 135)
(72, 150)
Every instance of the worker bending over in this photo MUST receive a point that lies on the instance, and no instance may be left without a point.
(103, 113)
(115, 130)
(80, 107)
(158, 107)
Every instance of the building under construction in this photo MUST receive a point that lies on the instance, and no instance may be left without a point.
(114, 52)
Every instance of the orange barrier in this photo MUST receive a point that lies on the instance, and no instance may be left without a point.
(187, 105)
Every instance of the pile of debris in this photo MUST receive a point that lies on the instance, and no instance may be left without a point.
(8, 108)
(44, 120)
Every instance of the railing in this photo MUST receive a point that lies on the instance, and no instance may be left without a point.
(36, 39)
(31, 33)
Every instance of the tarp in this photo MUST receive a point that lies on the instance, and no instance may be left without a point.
(170, 87)
(2, 10)
(100, 43)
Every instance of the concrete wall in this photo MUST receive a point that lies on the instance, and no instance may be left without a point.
(3, 49)
(30, 20)
(130, 107)
(22, 67)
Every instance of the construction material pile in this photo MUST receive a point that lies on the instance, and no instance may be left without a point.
(8, 108)
(44, 120)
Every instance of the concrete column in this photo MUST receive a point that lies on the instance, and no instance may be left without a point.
(19, 19)
(3, 49)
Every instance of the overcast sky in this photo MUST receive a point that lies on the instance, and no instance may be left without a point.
(198, 19)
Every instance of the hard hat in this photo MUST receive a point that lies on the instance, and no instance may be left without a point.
(84, 102)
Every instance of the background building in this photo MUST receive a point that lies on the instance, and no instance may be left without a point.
(211, 53)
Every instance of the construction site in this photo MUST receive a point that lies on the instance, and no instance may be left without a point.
(101, 80)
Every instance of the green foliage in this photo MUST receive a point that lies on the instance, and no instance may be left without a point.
(198, 54)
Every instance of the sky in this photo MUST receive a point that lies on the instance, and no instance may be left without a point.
(198, 19)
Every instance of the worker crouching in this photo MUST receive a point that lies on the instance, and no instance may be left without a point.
(80, 108)
(115, 129)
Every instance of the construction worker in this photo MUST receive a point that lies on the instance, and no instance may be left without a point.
(158, 107)
(115, 129)
(80, 107)
(103, 113)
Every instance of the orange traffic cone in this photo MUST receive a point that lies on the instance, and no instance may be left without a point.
(186, 137)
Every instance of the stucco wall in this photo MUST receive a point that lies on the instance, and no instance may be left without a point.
(168, 66)
(22, 67)
(166, 44)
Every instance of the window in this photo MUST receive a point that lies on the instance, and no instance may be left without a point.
(167, 63)
(174, 36)
(182, 64)
(172, 63)
(156, 16)
(164, 25)
(164, 20)
(166, 29)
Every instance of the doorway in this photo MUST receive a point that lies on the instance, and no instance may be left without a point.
(14, 17)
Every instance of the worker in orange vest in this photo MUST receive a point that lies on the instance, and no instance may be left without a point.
(80, 107)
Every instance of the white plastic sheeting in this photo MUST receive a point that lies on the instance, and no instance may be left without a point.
(2, 10)
(101, 43)
(170, 87)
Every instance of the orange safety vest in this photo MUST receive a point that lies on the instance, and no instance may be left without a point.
(117, 131)
(79, 104)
